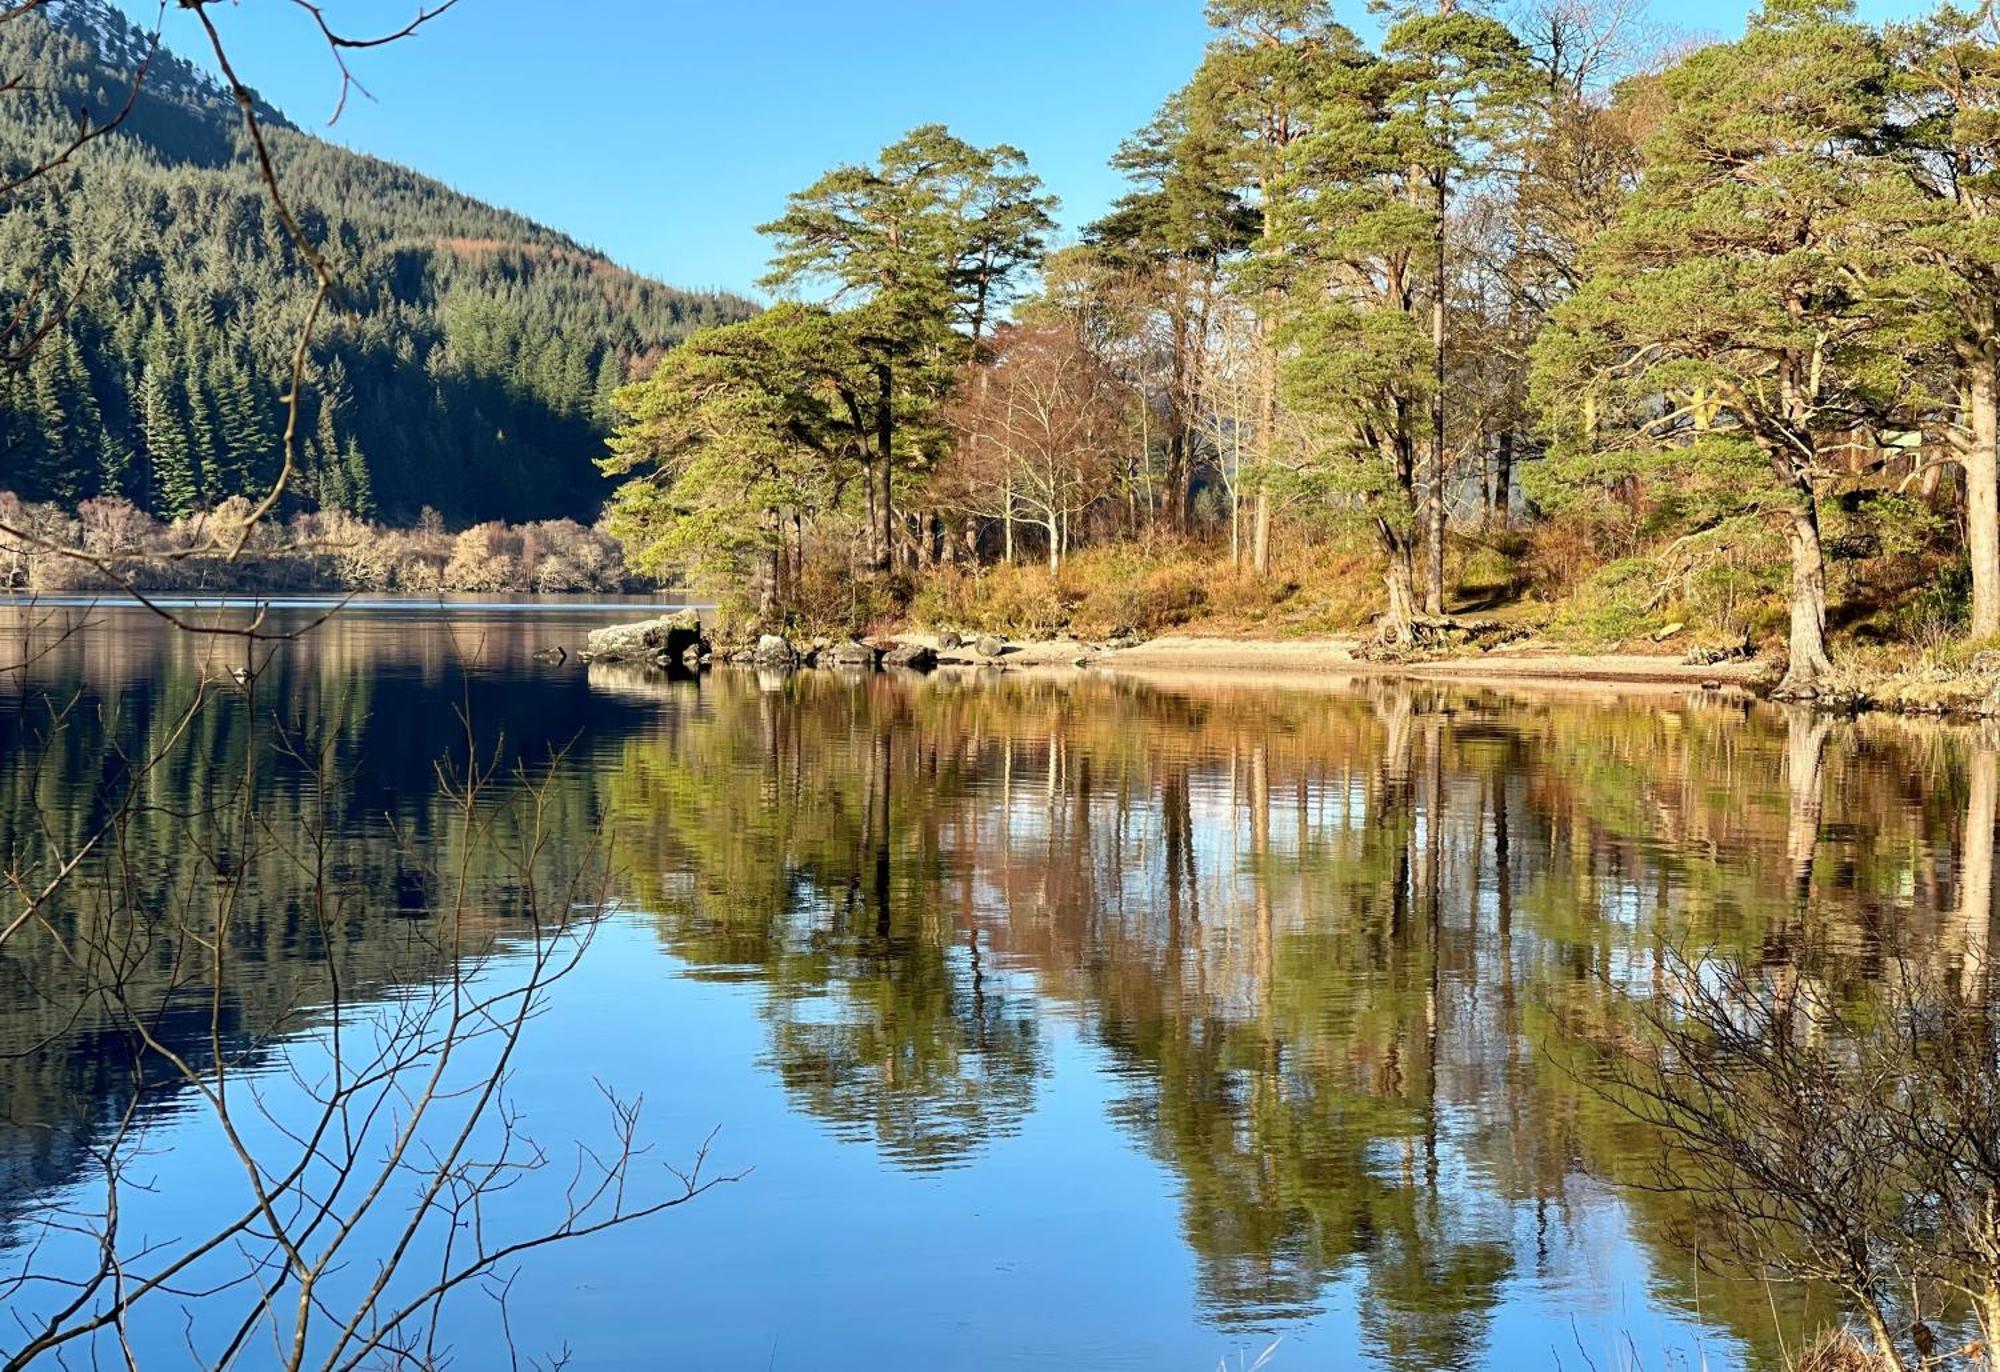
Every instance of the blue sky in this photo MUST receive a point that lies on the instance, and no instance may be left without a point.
(664, 131)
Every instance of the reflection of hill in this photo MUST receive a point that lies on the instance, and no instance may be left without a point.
(329, 762)
(1326, 938)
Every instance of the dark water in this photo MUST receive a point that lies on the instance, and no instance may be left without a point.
(1072, 1022)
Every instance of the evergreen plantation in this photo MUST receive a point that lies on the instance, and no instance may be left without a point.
(467, 366)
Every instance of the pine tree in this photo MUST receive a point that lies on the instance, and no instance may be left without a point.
(45, 473)
(926, 239)
(1720, 321)
(247, 433)
(1947, 128)
(204, 437)
(176, 481)
(114, 467)
(1250, 103)
(358, 487)
(610, 376)
(82, 448)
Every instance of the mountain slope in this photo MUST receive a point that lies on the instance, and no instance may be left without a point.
(467, 369)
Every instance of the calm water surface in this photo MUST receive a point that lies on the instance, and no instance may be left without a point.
(1075, 1022)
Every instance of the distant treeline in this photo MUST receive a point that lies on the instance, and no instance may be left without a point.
(466, 369)
(111, 544)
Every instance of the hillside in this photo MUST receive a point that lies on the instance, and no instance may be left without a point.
(467, 370)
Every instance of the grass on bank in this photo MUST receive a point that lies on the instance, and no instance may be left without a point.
(1574, 584)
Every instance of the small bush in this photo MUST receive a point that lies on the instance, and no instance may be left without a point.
(1016, 599)
(1734, 599)
(1490, 572)
(1558, 558)
(1614, 605)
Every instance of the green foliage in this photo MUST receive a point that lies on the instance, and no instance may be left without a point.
(1617, 604)
(764, 426)
(736, 433)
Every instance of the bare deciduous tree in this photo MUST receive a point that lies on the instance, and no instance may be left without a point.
(1042, 434)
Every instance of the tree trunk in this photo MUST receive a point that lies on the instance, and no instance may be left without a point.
(1267, 440)
(1434, 586)
(1500, 498)
(1007, 524)
(1810, 663)
(1175, 479)
(885, 443)
(1981, 458)
(1885, 1342)
(1399, 623)
(772, 592)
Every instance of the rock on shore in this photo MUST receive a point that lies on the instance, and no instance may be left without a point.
(774, 651)
(665, 640)
(910, 657)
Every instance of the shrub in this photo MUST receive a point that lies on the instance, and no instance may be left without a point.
(1490, 572)
(1559, 557)
(1940, 610)
(1114, 601)
(1736, 597)
(1614, 605)
(486, 557)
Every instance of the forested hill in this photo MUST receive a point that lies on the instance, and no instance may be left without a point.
(467, 370)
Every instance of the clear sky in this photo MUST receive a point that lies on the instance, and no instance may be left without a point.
(664, 131)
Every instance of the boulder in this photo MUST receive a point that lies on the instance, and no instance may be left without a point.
(773, 651)
(910, 657)
(948, 639)
(852, 653)
(555, 656)
(669, 636)
(991, 645)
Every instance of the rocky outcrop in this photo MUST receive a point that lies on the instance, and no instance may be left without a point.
(949, 639)
(991, 646)
(852, 653)
(665, 640)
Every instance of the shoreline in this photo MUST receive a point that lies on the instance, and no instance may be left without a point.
(1334, 656)
(1247, 659)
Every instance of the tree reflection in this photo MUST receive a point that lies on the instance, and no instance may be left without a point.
(1343, 949)
(801, 838)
